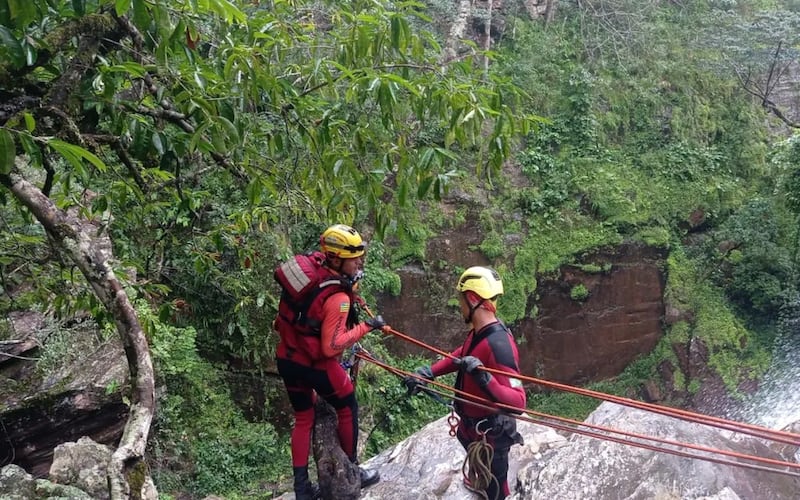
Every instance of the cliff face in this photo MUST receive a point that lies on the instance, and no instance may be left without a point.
(616, 313)
(577, 340)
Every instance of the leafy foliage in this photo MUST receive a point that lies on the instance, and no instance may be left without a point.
(214, 139)
(393, 414)
(735, 352)
(199, 424)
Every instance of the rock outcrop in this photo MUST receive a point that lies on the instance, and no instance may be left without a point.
(593, 468)
(551, 466)
(79, 471)
(40, 411)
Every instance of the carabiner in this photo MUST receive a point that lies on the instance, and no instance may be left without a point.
(478, 427)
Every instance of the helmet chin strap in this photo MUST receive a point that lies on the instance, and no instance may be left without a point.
(338, 268)
(472, 308)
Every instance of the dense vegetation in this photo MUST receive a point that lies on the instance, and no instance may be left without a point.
(229, 134)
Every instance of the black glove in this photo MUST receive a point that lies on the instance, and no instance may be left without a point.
(413, 384)
(470, 365)
(376, 323)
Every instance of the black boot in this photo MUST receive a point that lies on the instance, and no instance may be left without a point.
(303, 489)
(368, 477)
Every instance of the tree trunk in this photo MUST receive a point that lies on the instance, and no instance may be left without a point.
(457, 29)
(487, 32)
(550, 12)
(86, 243)
(338, 478)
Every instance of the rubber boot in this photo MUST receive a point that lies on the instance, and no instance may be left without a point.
(368, 477)
(303, 489)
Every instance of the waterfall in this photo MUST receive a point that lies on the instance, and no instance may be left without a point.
(776, 403)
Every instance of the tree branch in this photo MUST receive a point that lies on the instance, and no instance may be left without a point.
(91, 252)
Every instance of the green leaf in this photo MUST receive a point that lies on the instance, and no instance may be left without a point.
(30, 123)
(30, 53)
(79, 7)
(425, 160)
(218, 140)
(254, 191)
(12, 47)
(141, 16)
(227, 11)
(22, 11)
(424, 186)
(156, 141)
(230, 129)
(31, 149)
(122, 6)
(132, 68)
(396, 31)
(5, 13)
(74, 154)
(8, 151)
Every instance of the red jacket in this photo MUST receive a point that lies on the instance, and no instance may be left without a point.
(495, 347)
(338, 324)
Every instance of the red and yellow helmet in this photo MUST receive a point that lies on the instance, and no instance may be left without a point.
(341, 241)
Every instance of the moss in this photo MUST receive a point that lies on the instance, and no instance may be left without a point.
(5, 329)
(95, 24)
(594, 268)
(654, 236)
(492, 246)
(679, 380)
(735, 353)
(136, 477)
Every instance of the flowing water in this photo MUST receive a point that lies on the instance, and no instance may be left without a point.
(776, 404)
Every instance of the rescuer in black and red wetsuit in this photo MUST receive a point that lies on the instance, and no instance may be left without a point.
(490, 344)
(309, 364)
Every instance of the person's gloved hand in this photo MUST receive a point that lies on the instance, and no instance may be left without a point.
(413, 384)
(470, 365)
(376, 323)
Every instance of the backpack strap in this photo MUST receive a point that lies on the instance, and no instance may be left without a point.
(304, 306)
(486, 332)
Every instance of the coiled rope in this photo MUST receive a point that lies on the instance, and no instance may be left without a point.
(477, 467)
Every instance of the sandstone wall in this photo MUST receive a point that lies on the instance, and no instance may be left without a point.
(568, 340)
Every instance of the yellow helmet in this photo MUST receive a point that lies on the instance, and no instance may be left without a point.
(484, 281)
(341, 241)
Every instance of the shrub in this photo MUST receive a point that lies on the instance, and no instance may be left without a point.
(579, 292)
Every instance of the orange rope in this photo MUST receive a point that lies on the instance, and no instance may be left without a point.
(599, 432)
(744, 428)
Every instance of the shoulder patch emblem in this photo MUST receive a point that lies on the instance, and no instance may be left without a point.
(344, 307)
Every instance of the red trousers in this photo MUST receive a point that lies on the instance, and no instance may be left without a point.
(328, 379)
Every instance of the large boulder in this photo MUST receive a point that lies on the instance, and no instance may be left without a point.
(78, 472)
(594, 468)
(428, 465)
(16, 484)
